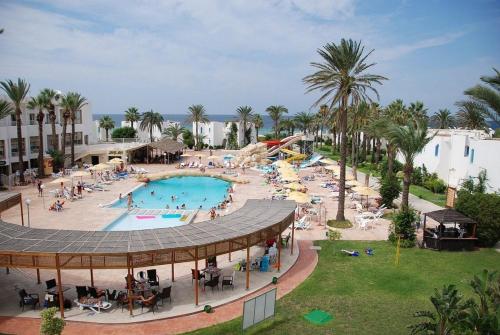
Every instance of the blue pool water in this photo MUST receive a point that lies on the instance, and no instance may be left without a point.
(144, 221)
(191, 191)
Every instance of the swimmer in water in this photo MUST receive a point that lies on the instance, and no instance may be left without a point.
(167, 206)
(152, 193)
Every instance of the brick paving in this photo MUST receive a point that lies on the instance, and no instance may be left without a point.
(303, 267)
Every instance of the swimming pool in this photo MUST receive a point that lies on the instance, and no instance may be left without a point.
(138, 220)
(194, 192)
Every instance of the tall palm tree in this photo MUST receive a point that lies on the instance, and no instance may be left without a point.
(197, 114)
(51, 95)
(333, 123)
(342, 77)
(409, 140)
(418, 110)
(66, 106)
(471, 115)
(443, 119)
(106, 123)
(258, 123)
(276, 113)
(17, 92)
(288, 125)
(5, 109)
(132, 115)
(174, 131)
(39, 103)
(77, 103)
(323, 115)
(488, 96)
(245, 115)
(304, 121)
(396, 112)
(150, 120)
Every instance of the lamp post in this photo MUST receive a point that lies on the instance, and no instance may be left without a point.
(164, 158)
(43, 196)
(27, 201)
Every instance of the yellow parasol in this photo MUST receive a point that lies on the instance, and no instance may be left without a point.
(299, 197)
(80, 174)
(349, 176)
(116, 161)
(353, 183)
(213, 157)
(333, 168)
(59, 180)
(199, 155)
(294, 186)
(100, 167)
(365, 190)
(290, 178)
(327, 161)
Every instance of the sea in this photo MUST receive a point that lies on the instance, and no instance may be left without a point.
(268, 122)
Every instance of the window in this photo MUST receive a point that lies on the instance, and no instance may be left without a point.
(13, 120)
(201, 130)
(32, 119)
(86, 139)
(78, 117)
(14, 149)
(472, 156)
(78, 138)
(2, 149)
(34, 144)
(49, 143)
(466, 151)
(436, 150)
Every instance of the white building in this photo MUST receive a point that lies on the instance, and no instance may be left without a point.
(457, 154)
(9, 153)
(142, 135)
(215, 133)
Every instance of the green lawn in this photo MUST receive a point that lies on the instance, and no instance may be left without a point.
(435, 198)
(326, 151)
(368, 294)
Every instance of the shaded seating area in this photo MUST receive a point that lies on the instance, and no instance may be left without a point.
(28, 299)
(455, 231)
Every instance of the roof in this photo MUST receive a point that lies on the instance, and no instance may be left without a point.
(254, 216)
(167, 145)
(9, 199)
(449, 215)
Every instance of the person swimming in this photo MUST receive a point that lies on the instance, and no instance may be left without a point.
(183, 206)
(152, 193)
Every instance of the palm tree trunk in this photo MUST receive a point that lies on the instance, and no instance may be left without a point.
(334, 139)
(151, 133)
(257, 133)
(354, 155)
(364, 149)
(63, 144)
(343, 158)
(41, 173)
(378, 155)
(72, 141)
(131, 124)
(406, 185)
(53, 117)
(373, 150)
(390, 160)
(196, 136)
(276, 129)
(107, 132)
(322, 135)
(20, 144)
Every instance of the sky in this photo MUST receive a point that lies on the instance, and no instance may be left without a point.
(168, 55)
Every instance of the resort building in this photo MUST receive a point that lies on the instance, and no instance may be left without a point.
(142, 135)
(457, 154)
(9, 151)
(216, 133)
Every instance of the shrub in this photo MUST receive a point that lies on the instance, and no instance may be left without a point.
(397, 166)
(485, 209)
(334, 235)
(328, 141)
(435, 185)
(389, 190)
(124, 132)
(51, 325)
(188, 139)
(417, 176)
(339, 224)
(403, 224)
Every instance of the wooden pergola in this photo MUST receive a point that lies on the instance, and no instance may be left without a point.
(11, 199)
(255, 222)
(451, 238)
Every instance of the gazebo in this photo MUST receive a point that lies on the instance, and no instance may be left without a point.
(455, 231)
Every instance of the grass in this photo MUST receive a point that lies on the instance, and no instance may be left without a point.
(368, 294)
(423, 193)
(339, 224)
(366, 168)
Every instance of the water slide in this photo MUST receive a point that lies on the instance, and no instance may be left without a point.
(294, 155)
(311, 161)
(284, 143)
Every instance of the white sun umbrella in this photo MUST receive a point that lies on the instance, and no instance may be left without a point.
(80, 174)
(100, 167)
(59, 180)
(213, 157)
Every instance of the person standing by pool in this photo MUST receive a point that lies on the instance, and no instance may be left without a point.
(129, 200)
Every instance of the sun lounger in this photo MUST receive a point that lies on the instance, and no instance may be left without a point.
(95, 306)
(302, 223)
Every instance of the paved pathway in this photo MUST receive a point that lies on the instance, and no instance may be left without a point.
(304, 266)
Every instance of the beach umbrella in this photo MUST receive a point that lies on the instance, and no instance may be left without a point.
(353, 183)
(186, 155)
(365, 191)
(116, 161)
(213, 157)
(349, 176)
(290, 178)
(228, 157)
(80, 174)
(327, 161)
(333, 168)
(199, 155)
(100, 167)
(59, 181)
(299, 197)
(294, 186)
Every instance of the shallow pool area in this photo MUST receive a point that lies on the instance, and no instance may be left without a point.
(194, 192)
(139, 219)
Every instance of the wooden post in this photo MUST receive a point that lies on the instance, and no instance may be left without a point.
(22, 214)
(91, 273)
(173, 262)
(59, 287)
(230, 245)
(129, 286)
(37, 271)
(196, 276)
(279, 252)
(293, 231)
(248, 265)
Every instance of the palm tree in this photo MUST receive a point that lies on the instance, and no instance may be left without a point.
(276, 113)
(150, 120)
(288, 125)
(245, 115)
(443, 119)
(323, 115)
(17, 92)
(409, 140)
(107, 123)
(340, 78)
(52, 95)
(418, 110)
(488, 97)
(258, 123)
(174, 131)
(39, 103)
(304, 121)
(5, 109)
(333, 122)
(197, 114)
(66, 104)
(396, 112)
(77, 103)
(132, 115)
(471, 115)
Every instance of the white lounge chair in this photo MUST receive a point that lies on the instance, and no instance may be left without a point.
(96, 306)
(302, 223)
